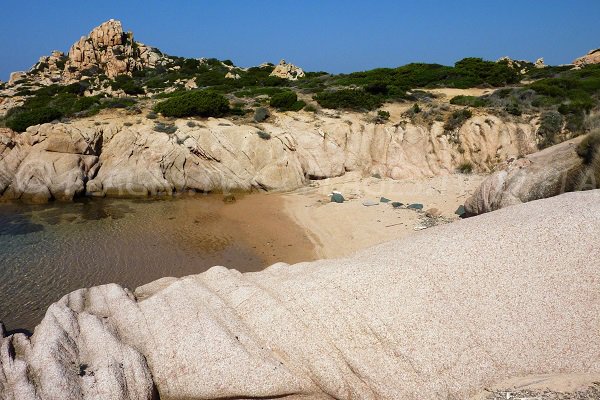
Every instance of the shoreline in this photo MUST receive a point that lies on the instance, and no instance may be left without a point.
(339, 230)
(48, 251)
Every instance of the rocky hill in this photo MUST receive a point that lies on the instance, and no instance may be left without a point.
(107, 50)
(116, 117)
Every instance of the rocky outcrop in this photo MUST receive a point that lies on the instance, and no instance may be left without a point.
(48, 162)
(231, 75)
(539, 63)
(593, 57)
(110, 51)
(287, 71)
(122, 156)
(550, 172)
(16, 77)
(419, 318)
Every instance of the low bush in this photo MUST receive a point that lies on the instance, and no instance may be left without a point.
(127, 84)
(261, 114)
(20, 121)
(457, 119)
(199, 103)
(348, 99)
(310, 108)
(470, 101)
(151, 115)
(513, 109)
(588, 148)
(382, 117)
(165, 128)
(551, 124)
(264, 135)
(118, 103)
(466, 167)
(286, 101)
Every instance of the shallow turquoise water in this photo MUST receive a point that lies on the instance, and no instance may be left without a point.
(48, 251)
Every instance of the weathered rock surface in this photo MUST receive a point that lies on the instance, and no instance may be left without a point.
(593, 57)
(555, 170)
(123, 157)
(421, 318)
(47, 162)
(287, 71)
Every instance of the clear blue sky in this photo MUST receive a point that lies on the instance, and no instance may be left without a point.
(335, 36)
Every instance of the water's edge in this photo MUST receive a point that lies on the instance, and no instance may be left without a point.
(47, 251)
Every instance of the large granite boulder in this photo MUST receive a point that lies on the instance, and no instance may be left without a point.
(550, 172)
(419, 318)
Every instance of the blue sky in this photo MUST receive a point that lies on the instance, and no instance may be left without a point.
(330, 35)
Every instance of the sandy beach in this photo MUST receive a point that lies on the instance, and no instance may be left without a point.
(338, 230)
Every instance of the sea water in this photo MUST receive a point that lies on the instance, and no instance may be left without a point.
(50, 250)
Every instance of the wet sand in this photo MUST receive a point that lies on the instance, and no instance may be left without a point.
(48, 251)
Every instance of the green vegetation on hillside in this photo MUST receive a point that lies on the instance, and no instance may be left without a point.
(54, 102)
(563, 98)
(197, 103)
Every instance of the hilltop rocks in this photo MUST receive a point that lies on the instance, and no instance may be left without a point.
(15, 77)
(287, 71)
(417, 318)
(555, 170)
(539, 63)
(110, 51)
(592, 57)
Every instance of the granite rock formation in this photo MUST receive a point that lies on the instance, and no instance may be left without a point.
(125, 156)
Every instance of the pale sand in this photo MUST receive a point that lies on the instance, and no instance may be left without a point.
(338, 230)
(449, 93)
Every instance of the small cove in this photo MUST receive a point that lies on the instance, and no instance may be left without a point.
(50, 250)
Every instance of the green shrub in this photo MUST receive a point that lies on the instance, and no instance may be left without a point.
(551, 123)
(348, 99)
(199, 103)
(286, 101)
(165, 128)
(382, 117)
(416, 108)
(20, 121)
(457, 119)
(118, 103)
(310, 108)
(589, 146)
(513, 109)
(264, 135)
(470, 101)
(466, 167)
(261, 114)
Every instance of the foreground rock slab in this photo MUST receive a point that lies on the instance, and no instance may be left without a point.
(427, 317)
